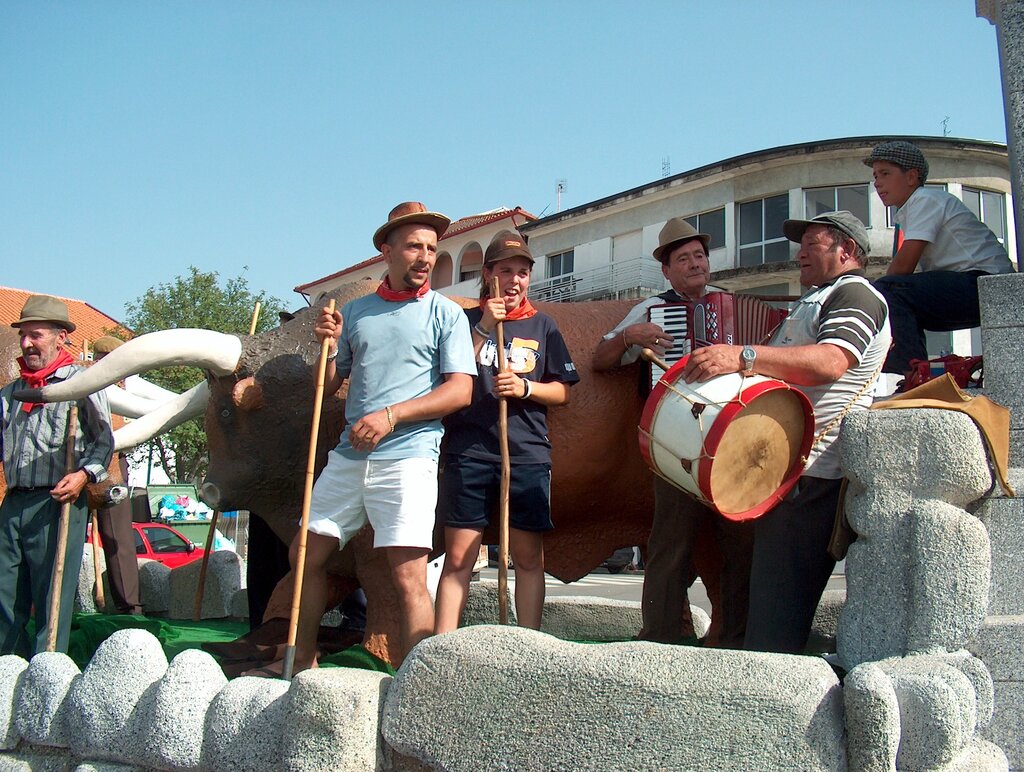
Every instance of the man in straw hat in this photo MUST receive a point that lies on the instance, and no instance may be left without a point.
(831, 347)
(38, 482)
(408, 357)
(683, 254)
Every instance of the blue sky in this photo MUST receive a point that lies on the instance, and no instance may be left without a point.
(154, 136)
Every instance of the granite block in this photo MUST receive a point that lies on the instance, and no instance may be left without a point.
(41, 703)
(12, 674)
(224, 577)
(154, 587)
(607, 706)
(1003, 518)
(333, 720)
(999, 298)
(244, 726)
(872, 718)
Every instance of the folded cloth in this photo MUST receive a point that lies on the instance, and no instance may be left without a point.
(991, 418)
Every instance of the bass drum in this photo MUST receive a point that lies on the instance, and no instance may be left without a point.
(738, 444)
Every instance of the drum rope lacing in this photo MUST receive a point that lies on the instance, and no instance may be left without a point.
(697, 411)
(820, 436)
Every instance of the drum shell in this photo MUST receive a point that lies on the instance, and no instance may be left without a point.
(672, 432)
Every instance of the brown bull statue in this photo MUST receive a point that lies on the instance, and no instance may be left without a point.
(258, 407)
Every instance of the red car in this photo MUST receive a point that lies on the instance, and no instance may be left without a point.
(163, 544)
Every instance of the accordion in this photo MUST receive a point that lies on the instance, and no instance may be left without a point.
(718, 317)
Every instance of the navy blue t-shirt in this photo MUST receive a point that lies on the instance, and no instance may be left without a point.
(536, 351)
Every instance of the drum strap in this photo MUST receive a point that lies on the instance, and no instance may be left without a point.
(848, 406)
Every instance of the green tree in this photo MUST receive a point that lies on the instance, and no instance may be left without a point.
(196, 300)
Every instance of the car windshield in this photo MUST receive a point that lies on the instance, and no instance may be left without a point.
(163, 540)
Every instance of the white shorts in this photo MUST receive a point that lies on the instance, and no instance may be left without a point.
(396, 496)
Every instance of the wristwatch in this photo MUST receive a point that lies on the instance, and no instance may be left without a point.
(748, 355)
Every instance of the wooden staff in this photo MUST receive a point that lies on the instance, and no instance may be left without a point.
(57, 581)
(255, 318)
(506, 474)
(307, 495)
(96, 549)
(197, 604)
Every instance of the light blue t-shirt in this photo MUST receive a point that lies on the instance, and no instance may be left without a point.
(393, 352)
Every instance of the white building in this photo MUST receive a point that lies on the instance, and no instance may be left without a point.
(603, 249)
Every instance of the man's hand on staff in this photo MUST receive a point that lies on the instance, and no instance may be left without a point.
(70, 487)
(328, 325)
(711, 361)
(508, 385)
(369, 430)
(647, 335)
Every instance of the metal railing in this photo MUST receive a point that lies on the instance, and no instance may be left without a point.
(638, 277)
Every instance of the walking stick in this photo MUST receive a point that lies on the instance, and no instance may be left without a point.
(506, 476)
(96, 548)
(255, 318)
(197, 604)
(57, 582)
(307, 495)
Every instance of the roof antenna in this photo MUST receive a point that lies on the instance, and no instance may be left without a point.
(560, 186)
(666, 166)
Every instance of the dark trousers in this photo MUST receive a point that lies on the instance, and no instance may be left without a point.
(266, 564)
(29, 522)
(791, 566)
(940, 301)
(668, 570)
(118, 539)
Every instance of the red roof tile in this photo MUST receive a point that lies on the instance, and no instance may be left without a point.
(90, 323)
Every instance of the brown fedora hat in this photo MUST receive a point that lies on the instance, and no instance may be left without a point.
(45, 308)
(407, 212)
(675, 231)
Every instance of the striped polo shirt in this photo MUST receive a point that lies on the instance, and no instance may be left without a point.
(849, 313)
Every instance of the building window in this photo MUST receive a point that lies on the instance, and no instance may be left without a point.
(890, 211)
(853, 198)
(711, 223)
(989, 207)
(560, 264)
(760, 230)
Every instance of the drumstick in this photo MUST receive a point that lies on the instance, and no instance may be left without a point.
(506, 475)
(654, 359)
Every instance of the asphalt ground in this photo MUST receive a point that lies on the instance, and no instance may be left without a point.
(629, 585)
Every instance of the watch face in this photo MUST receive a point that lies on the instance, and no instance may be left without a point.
(748, 355)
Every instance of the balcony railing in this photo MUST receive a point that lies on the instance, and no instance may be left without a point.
(638, 277)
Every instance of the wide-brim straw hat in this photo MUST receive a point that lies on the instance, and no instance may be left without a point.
(45, 308)
(411, 212)
(675, 231)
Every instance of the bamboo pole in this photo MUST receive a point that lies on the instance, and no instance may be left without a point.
(197, 604)
(307, 495)
(255, 318)
(506, 475)
(97, 548)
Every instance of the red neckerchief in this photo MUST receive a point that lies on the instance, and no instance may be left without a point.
(397, 296)
(36, 379)
(523, 311)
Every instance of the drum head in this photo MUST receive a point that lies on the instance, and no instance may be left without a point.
(757, 450)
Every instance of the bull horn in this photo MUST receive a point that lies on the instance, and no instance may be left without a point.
(173, 412)
(130, 405)
(214, 351)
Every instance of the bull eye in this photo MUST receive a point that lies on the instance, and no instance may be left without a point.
(225, 413)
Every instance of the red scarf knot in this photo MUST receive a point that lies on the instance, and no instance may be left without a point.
(36, 379)
(397, 296)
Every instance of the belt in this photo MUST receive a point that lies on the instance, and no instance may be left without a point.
(27, 489)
